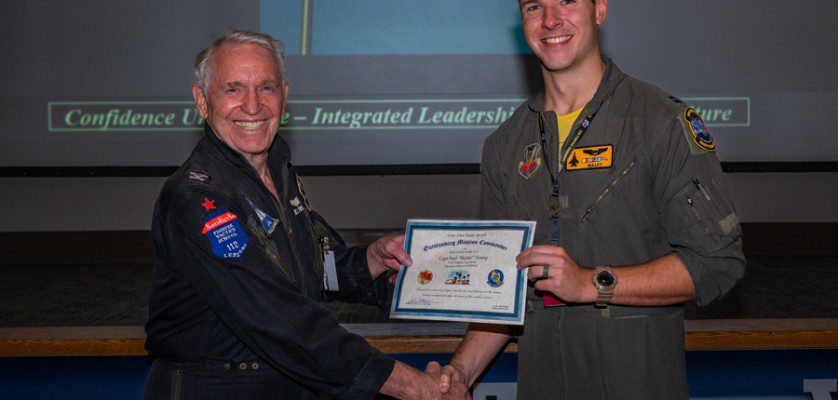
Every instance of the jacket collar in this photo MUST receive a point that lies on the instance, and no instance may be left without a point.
(611, 78)
(276, 154)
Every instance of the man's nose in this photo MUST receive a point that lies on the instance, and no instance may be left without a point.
(552, 18)
(251, 103)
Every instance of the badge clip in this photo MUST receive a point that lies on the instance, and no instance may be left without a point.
(330, 272)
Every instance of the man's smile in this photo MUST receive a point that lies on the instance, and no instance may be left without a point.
(557, 39)
(250, 125)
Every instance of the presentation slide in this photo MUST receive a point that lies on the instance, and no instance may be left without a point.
(107, 83)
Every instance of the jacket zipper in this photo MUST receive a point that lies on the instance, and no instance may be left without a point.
(607, 189)
(284, 218)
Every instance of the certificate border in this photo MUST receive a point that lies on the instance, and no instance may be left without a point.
(516, 317)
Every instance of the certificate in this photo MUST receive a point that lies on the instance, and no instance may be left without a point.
(463, 271)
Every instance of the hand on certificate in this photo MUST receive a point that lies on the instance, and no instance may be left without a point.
(386, 254)
(552, 270)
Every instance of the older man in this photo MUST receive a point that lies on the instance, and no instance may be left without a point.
(238, 272)
(633, 220)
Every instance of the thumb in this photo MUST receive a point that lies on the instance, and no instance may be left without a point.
(444, 382)
(433, 368)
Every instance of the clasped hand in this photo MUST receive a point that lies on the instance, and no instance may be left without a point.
(447, 382)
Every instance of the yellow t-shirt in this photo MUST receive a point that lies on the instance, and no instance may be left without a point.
(565, 123)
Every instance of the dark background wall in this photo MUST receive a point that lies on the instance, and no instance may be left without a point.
(740, 56)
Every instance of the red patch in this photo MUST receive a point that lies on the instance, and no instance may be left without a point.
(208, 204)
(527, 168)
(218, 221)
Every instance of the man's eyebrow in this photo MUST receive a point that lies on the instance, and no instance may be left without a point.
(265, 82)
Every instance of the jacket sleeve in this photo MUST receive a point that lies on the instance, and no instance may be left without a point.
(492, 199)
(696, 209)
(262, 305)
(354, 279)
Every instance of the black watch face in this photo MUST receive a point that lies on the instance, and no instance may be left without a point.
(605, 279)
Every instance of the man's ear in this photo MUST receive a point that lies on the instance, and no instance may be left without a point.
(285, 90)
(200, 101)
(601, 11)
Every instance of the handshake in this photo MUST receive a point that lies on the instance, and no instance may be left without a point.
(435, 382)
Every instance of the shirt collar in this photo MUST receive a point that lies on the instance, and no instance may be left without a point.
(611, 78)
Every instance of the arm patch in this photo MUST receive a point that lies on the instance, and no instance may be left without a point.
(696, 132)
(225, 234)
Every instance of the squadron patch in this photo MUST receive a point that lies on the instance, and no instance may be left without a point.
(268, 222)
(697, 133)
(531, 161)
(225, 234)
(590, 157)
(495, 278)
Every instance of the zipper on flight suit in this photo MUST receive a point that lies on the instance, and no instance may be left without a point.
(691, 203)
(607, 189)
(285, 219)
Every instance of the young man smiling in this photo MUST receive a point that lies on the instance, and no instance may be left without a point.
(634, 219)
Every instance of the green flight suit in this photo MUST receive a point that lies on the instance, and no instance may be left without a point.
(663, 192)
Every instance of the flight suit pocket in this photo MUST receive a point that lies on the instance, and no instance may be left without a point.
(705, 218)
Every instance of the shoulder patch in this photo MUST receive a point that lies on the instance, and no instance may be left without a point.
(676, 100)
(225, 234)
(696, 132)
(200, 177)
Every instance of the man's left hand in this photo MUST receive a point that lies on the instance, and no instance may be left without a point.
(553, 270)
(387, 253)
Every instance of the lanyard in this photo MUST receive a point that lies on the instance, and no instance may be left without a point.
(554, 192)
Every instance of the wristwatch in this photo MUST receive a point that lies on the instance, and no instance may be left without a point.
(604, 281)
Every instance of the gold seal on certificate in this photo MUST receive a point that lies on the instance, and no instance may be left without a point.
(463, 271)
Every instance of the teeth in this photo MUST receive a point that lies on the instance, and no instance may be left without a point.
(556, 40)
(250, 125)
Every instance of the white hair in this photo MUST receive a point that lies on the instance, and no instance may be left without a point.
(203, 63)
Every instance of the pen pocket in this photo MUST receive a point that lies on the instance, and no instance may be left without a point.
(706, 223)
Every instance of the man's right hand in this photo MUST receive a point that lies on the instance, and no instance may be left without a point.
(449, 380)
(449, 376)
(407, 383)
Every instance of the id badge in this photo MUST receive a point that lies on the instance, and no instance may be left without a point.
(330, 272)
